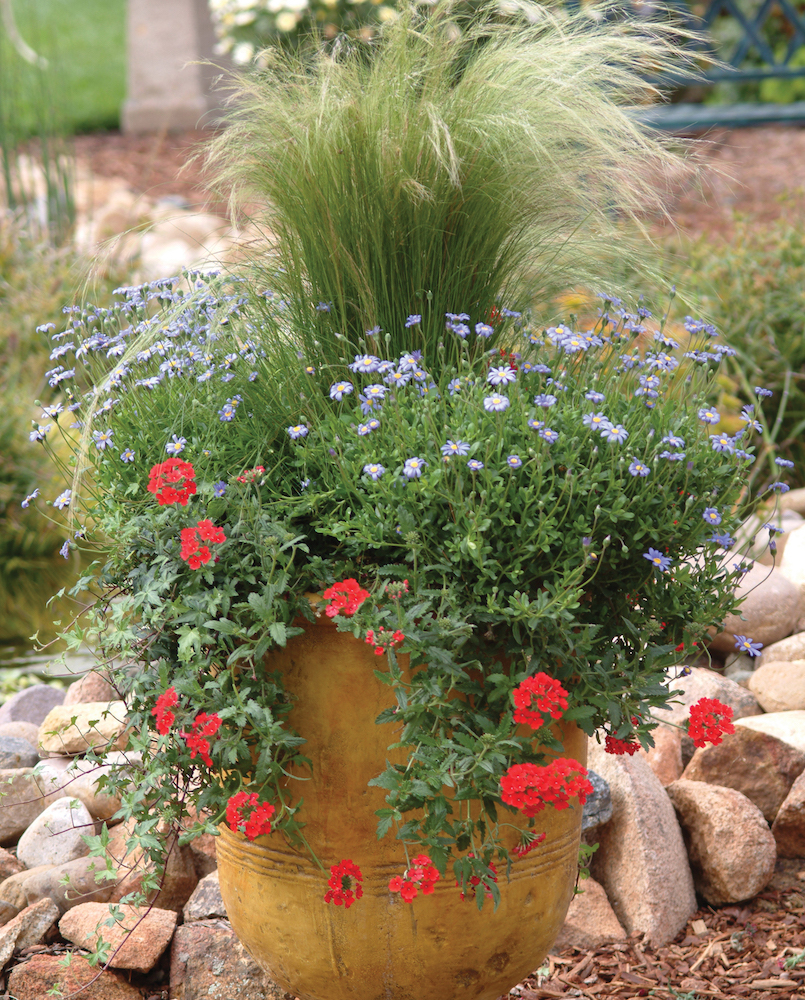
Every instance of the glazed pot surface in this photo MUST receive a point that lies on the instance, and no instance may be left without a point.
(381, 947)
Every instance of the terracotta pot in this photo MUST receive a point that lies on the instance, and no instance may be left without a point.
(381, 947)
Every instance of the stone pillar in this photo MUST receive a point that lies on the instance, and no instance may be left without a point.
(167, 89)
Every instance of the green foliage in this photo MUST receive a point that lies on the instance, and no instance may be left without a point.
(752, 287)
(85, 82)
(36, 282)
(448, 162)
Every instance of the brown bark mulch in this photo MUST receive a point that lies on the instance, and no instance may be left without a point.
(731, 951)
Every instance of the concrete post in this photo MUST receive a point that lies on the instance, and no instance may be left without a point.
(166, 87)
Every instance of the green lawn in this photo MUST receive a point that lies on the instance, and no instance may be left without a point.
(85, 44)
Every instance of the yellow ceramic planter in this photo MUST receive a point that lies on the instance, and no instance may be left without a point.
(381, 947)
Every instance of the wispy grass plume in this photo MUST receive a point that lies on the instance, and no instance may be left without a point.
(451, 164)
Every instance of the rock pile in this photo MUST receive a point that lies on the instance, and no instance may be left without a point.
(48, 889)
(671, 823)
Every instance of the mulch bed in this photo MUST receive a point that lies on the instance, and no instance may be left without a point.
(158, 165)
(733, 951)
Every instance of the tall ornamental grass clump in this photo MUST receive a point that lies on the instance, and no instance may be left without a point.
(36, 163)
(456, 159)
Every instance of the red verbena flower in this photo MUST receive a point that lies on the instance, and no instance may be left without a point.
(345, 884)
(250, 475)
(208, 532)
(709, 721)
(529, 787)
(421, 875)
(172, 481)
(193, 552)
(203, 726)
(530, 841)
(384, 639)
(543, 691)
(619, 747)
(258, 822)
(345, 598)
(164, 716)
(396, 588)
(492, 876)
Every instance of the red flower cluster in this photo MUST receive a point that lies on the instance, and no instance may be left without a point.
(203, 726)
(172, 482)
(422, 874)
(251, 475)
(528, 845)
(165, 718)
(345, 884)
(548, 694)
(709, 721)
(396, 588)
(476, 879)
(345, 598)
(193, 552)
(384, 639)
(619, 747)
(530, 788)
(258, 823)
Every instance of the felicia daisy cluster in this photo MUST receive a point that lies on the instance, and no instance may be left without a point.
(540, 404)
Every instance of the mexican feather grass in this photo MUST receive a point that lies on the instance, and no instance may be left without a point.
(454, 163)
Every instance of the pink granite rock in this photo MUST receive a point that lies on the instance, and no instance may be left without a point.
(178, 881)
(730, 846)
(91, 687)
(665, 757)
(788, 828)
(590, 921)
(770, 610)
(27, 928)
(31, 704)
(37, 977)
(759, 766)
(136, 943)
(779, 685)
(207, 960)
(641, 861)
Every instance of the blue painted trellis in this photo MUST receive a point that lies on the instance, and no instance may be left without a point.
(754, 56)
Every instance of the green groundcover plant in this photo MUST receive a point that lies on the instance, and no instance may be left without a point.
(753, 288)
(526, 523)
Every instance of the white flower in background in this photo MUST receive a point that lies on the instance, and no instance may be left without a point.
(287, 20)
(275, 6)
(242, 53)
(245, 27)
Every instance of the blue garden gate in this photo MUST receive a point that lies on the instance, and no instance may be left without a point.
(753, 40)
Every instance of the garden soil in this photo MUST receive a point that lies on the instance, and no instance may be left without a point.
(734, 951)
